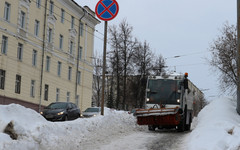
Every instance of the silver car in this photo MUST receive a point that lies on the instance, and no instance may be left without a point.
(91, 112)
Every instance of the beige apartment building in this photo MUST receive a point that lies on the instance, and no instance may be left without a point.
(46, 52)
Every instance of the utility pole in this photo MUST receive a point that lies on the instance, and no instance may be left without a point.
(238, 56)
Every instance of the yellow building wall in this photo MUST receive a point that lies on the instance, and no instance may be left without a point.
(12, 66)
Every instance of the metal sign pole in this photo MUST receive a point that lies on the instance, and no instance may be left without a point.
(104, 66)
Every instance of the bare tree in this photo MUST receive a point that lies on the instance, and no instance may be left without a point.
(159, 65)
(97, 80)
(127, 45)
(224, 57)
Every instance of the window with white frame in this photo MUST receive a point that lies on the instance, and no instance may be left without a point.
(69, 73)
(72, 22)
(59, 68)
(61, 41)
(51, 7)
(49, 35)
(79, 77)
(18, 84)
(4, 44)
(7, 10)
(2, 79)
(68, 96)
(32, 88)
(48, 59)
(57, 94)
(38, 3)
(34, 58)
(36, 28)
(20, 51)
(62, 15)
(22, 19)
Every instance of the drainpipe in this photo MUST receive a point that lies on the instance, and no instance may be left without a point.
(76, 84)
(43, 51)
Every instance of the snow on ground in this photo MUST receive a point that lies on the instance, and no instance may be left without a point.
(35, 133)
(216, 128)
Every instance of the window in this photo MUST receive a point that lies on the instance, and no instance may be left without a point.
(59, 68)
(79, 77)
(68, 96)
(81, 29)
(69, 73)
(72, 23)
(46, 92)
(4, 44)
(51, 8)
(20, 52)
(80, 53)
(2, 78)
(61, 42)
(18, 84)
(57, 94)
(71, 48)
(34, 58)
(32, 88)
(7, 11)
(22, 19)
(36, 28)
(62, 15)
(49, 35)
(48, 59)
(38, 3)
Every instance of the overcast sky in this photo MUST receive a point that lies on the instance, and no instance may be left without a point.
(183, 28)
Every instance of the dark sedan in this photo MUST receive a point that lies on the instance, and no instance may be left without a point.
(61, 111)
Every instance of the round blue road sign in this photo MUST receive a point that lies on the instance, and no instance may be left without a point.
(106, 9)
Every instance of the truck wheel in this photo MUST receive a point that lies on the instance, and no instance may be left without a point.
(151, 127)
(181, 126)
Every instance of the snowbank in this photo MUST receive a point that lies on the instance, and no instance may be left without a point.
(35, 133)
(217, 127)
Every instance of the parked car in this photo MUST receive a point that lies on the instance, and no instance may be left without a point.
(92, 111)
(61, 111)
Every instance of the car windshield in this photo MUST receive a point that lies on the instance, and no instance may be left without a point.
(57, 106)
(92, 110)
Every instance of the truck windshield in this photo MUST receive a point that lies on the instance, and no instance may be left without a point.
(163, 91)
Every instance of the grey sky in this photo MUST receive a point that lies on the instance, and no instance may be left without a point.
(176, 27)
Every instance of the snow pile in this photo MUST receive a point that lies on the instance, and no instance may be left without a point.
(218, 127)
(35, 133)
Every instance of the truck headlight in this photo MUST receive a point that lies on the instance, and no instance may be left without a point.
(178, 100)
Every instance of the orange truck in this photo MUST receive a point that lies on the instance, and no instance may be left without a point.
(169, 102)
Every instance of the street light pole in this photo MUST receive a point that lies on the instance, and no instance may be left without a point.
(238, 56)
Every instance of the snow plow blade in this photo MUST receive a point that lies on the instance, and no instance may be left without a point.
(161, 116)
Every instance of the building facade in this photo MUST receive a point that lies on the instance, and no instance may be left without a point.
(46, 52)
